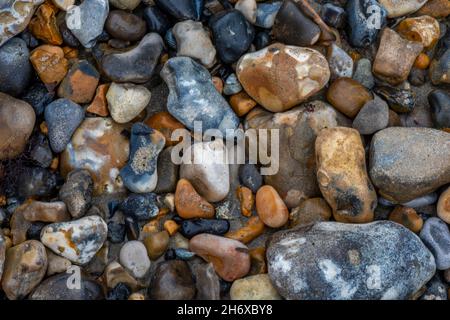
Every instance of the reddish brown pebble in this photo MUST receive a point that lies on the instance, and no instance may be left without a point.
(165, 123)
(242, 103)
(270, 207)
(99, 105)
(407, 217)
(422, 61)
(246, 199)
(189, 204)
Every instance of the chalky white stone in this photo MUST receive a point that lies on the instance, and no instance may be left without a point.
(126, 101)
(133, 257)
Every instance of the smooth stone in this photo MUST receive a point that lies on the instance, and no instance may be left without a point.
(372, 117)
(135, 65)
(41, 153)
(398, 8)
(133, 257)
(15, 66)
(87, 20)
(125, 4)
(422, 201)
(363, 73)
(420, 167)
(310, 211)
(76, 240)
(140, 174)
(56, 288)
(407, 217)
(249, 232)
(266, 13)
(76, 192)
(232, 34)
(125, 26)
(115, 274)
(348, 96)
(262, 40)
(156, 244)
(210, 176)
(424, 29)
(256, 287)
(439, 70)
(337, 261)
(293, 27)
(181, 9)
(33, 210)
(189, 204)
(248, 9)
(333, 15)
(170, 39)
(167, 172)
(206, 281)
(50, 64)
(68, 37)
(229, 257)
(99, 146)
(17, 119)
(342, 175)
(436, 236)
(364, 21)
(266, 75)
(99, 104)
(439, 101)
(24, 269)
(443, 206)
(140, 207)
(231, 85)
(126, 101)
(270, 207)
(340, 63)
(246, 199)
(15, 16)
(172, 281)
(399, 100)
(36, 181)
(435, 9)
(63, 117)
(250, 177)
(57, 264)
(191, 228)
(38, 97)
(44, 26)
(193, 97)
(388, 65)
(193, 41)
(156, 20)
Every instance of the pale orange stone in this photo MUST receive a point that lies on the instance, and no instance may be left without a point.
(44, 27)
(50, 64)
(189, 204)
(422, 61)
(407, 217)
(270, 207)
(246, 199)
(99, 104)
(171, 227)
(254, 228)
(242, 103)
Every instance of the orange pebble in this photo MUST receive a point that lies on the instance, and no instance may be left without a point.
(270, 207)
(189, 204)
(407, 217)
(254, 228)
(245, 196)
(422, 61)
(55, 164)
(171, 227)
(43, 127)
(258, 261)
(242, 103)
(165, 123)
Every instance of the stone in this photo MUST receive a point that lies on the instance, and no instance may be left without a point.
(232, 34)
(38, 97)
(133, 257)
(407, 217)
(418, 169)
(156, 244)
(436, 289)
(126, 101)
(140, 174)
(33, 210)
(208, 170)
(87, 20)
(99, 146)
(41, 152)
(63, 4)
(165, 123)
(348, 96)
(181, 9)
(141, 207)
(270, 207)
(189, 204)
(248, 9)
(266, 13)
(256, 287)
(333, 15)
(289, 20)
(76, 240)
(115, 274)
(436, 236)
(231, 85)
(44, 27)
(119, 292)
(443, 206)
(62, 117)
(364, 21)
(24, 269)
(229, 257)
(193, 227)
(340, 63)
(266, 77)
(172, 281)
(424, 29)
(57, 264)
(125, 4)
(388, 65)
(15, 17)
(135, 65)
(399, 100)
(439, 70)
(156, 20)
(422, 201)
(80, 82)
(249, 232)
(342, 175)
(250, 177)
(372, 117)
(206, 282)
(242, 103)
(125, 26)
(17, 119)
(309, 211)
(3, 248)
(36, 181)
(439, 101)
(363, 73)
(15, 66)
(99, 104)
(398, 8)
(50, 64)
(193, 97)
(167, 172)
(193, 41)
(76, 192)
(422, 62)
(338, 261)
(435, 9)
(246, 200)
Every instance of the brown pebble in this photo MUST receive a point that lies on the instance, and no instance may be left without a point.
(424, 29)
(242, 103)
(435, 8)
(99, 105)
(443, 206)
(258, 261)
(189, 204)
(156, 244)
(246, 199)
(50, 64)
(310, 211)
(43, 26)
(407, 217)
(254, 228)
(270, 207)
(165, 123)
(171, 227)
(422, 61)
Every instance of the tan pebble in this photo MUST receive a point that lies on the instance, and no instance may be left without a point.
(270, 207)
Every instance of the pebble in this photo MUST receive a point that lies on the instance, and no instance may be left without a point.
(250, 177)
(443, 206)
(440, 69)
(167, 172)
(76, 192)
(422, 201)
(363, 73)
(340, 63)
(424, 29)
(191, 228)
(172, 281)
(99, 104)
(342, 175)
(126, 101)
(419, 168)
(115, 274)
(43, 25)
(125, 4)
(230, 257)
(289, 20)
(33, 210)
(399, 100)
(63, 4)
(156, 244)
(87, 20)
(388, 65)
(331, 260)
(3, 249)
(193, 97)
(348, 96)
(256, 287)
(119, 292)
(249, 232)
(156, 20)
(181, 9)
(436, 289)
(262, 40)
(57, 264)
(193, 41)
(125, 26)
(76, 240)
(232, 34)
(231, 85)
(136, 65)
(24, 269)
(439, 101)
(407, 217)
(38, 97)
(36, 181)
(189, 204)
(133, 257)
(310, 211)
(140, 174)
(333, 15)
(50, 64)
(141, 207)
(372, 117)
(270, 207)
(246, 199)
(209, 176)
(266, 13)
(17, 119)
(398, 8)
(248, 9)
(435, 8)
(165, 123)
(41, 152)
(264, 75)
(206, 281)
(62, 117)
(15, 66)
(436, 236)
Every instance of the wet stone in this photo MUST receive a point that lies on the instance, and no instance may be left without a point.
(140, 206)
(436, 236)
(15, 66)
(125, 26)
(77, 192)
(190, 228)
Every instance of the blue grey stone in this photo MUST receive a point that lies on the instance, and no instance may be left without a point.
(422, 201)
(140, 206)
(62, 117)
(331, 260)
(250, 177)
(332, 15)
(266, 13)
(363, 73)
(193, 97)
(232, 85)
(15, 67)
(436, 236)
(38, 97)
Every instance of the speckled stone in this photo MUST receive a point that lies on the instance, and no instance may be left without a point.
(372, 117)
(15, 66)
(76, 192)
(436, 236)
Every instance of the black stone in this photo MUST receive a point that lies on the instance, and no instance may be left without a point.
(156, 20)
(15, 67)
(181, 9)
(38, 97)
(250, 177)
(140, 206)
(262, 40)
(132, 228)
(120, 292)
(34, 232)
(192, 227)
(439, 101)
(116, 232)
(333, 15)
(167, 172)
(36, 181)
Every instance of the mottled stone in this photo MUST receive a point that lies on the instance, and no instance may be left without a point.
(165, 123)
(309, 211)
(50, 64)
(115, 274)
(407, 217)
(340, 63)
(266, 13)
(249, 232)
(76, 192)
(172, 281)
(424, 29)
(372, 117)
(126, 101)
(440, 69)
(400, 100)
(435, 8)
(99, 104)
(141, 207)
(15, 66)
(133, 257)
(398, 8)
(256, 287)
(156, 244)
(436, 236)
(348, 96)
